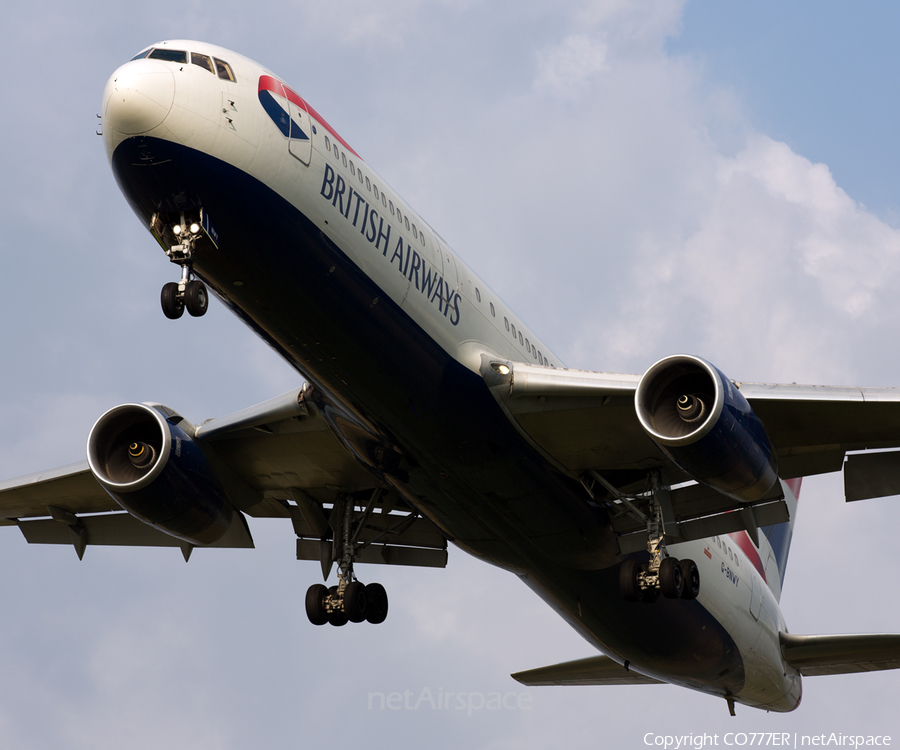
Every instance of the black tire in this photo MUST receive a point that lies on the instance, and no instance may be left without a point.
(336, 617)
(671, 578)
(196, 298)
(377, 600)
(691, 579)
(315, 604)
(355, 602)
(628, 580)
(172, 307)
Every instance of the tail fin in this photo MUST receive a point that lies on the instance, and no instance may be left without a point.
(779, 538)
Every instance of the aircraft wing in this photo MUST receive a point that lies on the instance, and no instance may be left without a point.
(595, 670)
(587, 425)
(278, 459)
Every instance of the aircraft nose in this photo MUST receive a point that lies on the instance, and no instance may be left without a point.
(138, 97)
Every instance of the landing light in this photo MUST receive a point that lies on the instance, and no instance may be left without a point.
(501, 368)
(177, 229)
(195, 227)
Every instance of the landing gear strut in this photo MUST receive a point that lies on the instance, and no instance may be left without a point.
(350, 600)
(674, 579)
(188, 294)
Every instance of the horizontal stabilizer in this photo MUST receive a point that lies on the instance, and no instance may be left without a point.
(595, 670)
(813, 655)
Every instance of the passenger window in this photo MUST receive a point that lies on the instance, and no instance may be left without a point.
(514, 331)
(224, 70)
(730, 556)
(493, 313)
(506, 323)
(352, 168)
(141, 55)
(415, 233)
(203, 61)
(368, 184)
(540, 358)
(406, 219)
(477, 294)
(391, 207)
(399, 215)
(344, 158)
(375, 188)
(383, 199)
(169, 55)
(527, 346)
(422, 238)
(520, 338)
(327, 143)
(337, 152)
(359, 173)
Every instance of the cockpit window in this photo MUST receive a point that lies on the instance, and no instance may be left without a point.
(224, 70)
(204, 61)
(140, 55)
(170, 55)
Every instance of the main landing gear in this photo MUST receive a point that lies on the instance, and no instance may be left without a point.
(350, 600)
(346, 602)
(674, 579)
(188, 294)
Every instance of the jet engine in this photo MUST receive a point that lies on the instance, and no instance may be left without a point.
(155, 471)
(700, 420)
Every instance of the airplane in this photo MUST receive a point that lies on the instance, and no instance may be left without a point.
(652, 512)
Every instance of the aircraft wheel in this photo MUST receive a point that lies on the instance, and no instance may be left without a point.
(377, 609)
(355, 602)
(173, 308)
(691, 579)
(315, 604)
(336, 617)
(671, 578)
(196, 298)
(628, 580)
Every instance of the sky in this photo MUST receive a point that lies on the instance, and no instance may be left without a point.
(634, 179)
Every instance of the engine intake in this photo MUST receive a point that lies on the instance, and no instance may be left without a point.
(700, 420)
(156, 472)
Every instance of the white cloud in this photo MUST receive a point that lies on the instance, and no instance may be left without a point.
(566, 70)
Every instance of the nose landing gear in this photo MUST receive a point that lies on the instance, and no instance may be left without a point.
(188, 294)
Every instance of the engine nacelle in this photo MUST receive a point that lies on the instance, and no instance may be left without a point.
(700, 420)
(155, 471)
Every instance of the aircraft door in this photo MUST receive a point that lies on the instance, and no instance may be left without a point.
(448, 265)
(300, 139)
(755, 595)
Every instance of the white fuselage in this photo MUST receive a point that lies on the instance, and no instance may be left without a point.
(323, 178)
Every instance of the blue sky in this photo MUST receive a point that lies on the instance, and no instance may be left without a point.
(635, 180)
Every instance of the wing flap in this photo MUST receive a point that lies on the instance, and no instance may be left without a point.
(120, 530)
(813, 655)
(595, 670)
(868, 475)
